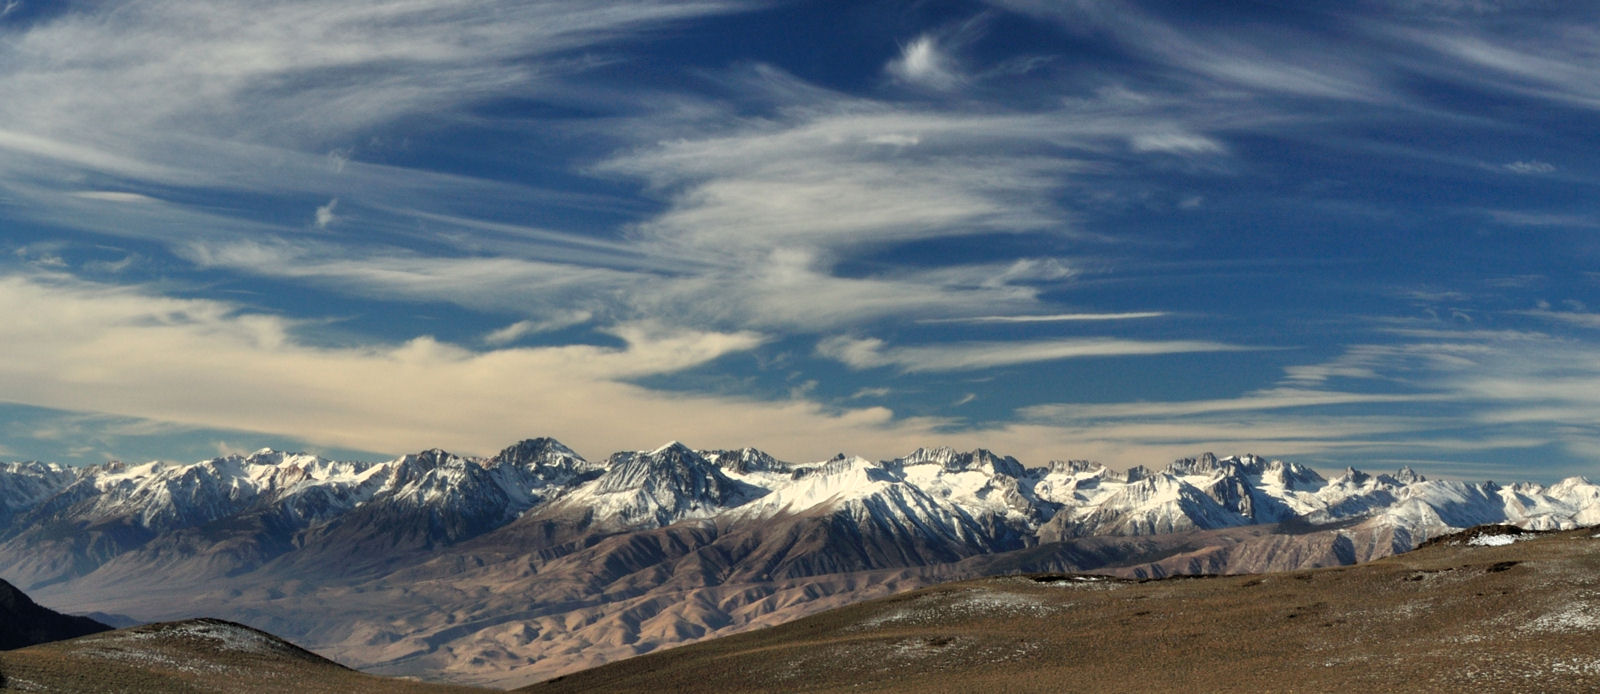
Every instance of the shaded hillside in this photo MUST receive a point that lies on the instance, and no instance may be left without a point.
(1484, 614)
(25, 623)
(199, 655)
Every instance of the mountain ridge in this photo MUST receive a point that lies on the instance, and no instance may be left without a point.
(535, 561)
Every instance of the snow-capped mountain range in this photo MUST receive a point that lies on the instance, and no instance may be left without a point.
(558, 535)
(977, 499)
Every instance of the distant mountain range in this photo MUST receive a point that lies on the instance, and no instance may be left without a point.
(535, 561)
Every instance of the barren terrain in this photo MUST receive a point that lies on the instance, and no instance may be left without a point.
(1490, 614)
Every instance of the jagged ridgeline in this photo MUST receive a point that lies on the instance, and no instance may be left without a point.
(536, 561)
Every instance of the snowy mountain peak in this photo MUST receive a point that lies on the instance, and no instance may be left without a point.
(1132, 474)
(1352, 476)
(276, 458)
(657, 488)
(1074, 467)
(1291, 476)
(1206, 463)
(26, 485)
(413, 465)
(36, 468)
(745, 461)
(535, 452)
(672, 446)
(954, 461)
(1573, 485)
(673, 465)
(1408, 476)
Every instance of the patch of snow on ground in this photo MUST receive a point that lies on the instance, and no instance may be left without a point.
(148, 659)
(1082, 583)
(971, 603)
(1575, 666)
(1573, 617)
(919, 648)
(223, 637)
(1492, 540)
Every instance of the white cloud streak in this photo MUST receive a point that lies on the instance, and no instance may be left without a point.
(114, 196)
(866, 353)
(1053, 318)
(520, 329)
(1279, 61)
(1530, 167)
(1176, 143)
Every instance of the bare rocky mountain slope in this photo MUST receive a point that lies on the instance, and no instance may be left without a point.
(536, 562)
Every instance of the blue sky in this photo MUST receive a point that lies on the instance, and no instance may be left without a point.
(1354, 233)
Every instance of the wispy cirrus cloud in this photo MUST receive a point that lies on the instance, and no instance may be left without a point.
(1540, 59)
(1277, 61)
(114, 196)
(1258, 401)
(1532, 166)
(520, 329)
(1524, 218)
(757, 208)
(296, 73)
(1052, 318)
(1176, 143)
(866, 353)
(179, 100)
(1584, 319)
(1442, 399)
(779, 204)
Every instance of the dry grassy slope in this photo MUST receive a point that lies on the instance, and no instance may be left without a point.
(1520, 617)
(202, 655)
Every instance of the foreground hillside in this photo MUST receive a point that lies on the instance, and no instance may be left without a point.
(1461, 615)
(198, 655)
(536, 562)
